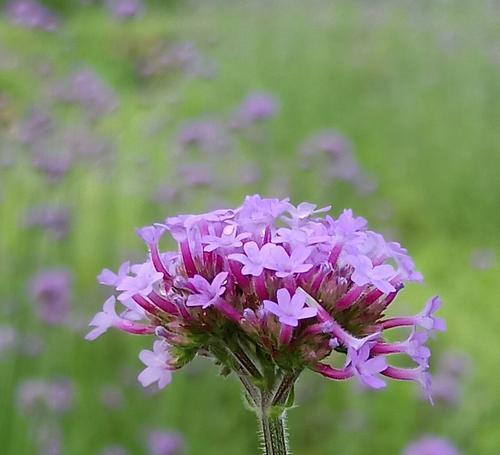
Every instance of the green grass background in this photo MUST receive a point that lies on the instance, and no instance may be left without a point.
(414, 85)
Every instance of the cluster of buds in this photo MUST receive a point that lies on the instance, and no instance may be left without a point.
(267, 290)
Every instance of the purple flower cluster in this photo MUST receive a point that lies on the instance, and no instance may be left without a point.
(256, 107)
(51, 291)
(333, 155)
(206, 135)
(54, 219)
(86, 89)
(125, 9)
(31, 14)
(183, 57)
(55, 396)
(448, 378)
(273, 284)
(164, 443)
(431, 445)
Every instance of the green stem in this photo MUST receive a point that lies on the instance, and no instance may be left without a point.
(285, 387)
(273, 433)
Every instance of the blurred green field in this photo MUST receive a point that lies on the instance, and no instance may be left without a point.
(414, 85)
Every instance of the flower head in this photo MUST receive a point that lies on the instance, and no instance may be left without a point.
(280, 280)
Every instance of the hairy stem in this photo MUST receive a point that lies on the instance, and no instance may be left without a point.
(273, 433)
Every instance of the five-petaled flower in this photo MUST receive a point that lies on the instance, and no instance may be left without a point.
(157, 368)
(290, 310)
(206, 294)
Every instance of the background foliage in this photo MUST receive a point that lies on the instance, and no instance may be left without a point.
(415, 87)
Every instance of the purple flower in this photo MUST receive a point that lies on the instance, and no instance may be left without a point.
(103, 320)
(334, 273)
(51, 291)
(256, 107)
(483, 259)
(284, 264)
(55, 220)
(416, 349)
(207, 293)
(165, 443)
(290, 310)
(445, 389)
(53, 165)
(146, 277)
(87, 89)
(257, 212)
(157, 367)
(55, 396)
(30, 13)
(209, 136)
(365, 367)
(431, 445)
(178, 57)
(426, 318)
(109, 278)
(36, 126)
(347, 224)
(59, 395)
(228, 239)
(366, 273)
(303, 211)
(125, 9)
(111, 396)
(253, 260)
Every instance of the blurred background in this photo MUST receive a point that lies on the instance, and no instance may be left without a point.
(115, 114)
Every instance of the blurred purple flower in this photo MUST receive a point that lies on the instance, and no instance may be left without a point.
(431, 445)
(483, 259)
(332, 154)
(31, 14)
(445, 390)
(165, 443)
(195, 175)
(125, 9)
(112, 396)
(49, 440)
(53, 165)
(86, 88)
(36, 125)
(86, 146)
(182, 57)
(256, 107)
(55, 396)
(51, 291)
(53, 219)
(166, 194)
(455, 364)
(206, 135)
(447, 381)
(59, 395)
